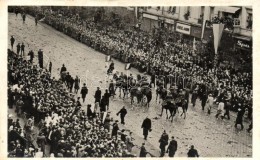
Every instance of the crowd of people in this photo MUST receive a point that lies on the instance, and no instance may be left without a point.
(173, 60)
(70, 131)
(73, 133)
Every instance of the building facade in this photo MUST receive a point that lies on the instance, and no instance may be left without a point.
(189, 20)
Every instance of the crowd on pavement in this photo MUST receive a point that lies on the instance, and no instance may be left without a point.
(63, 124)
(72, 132)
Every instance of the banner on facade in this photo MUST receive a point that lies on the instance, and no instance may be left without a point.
(128, 66)
(150, 16)
(217, 33)
(243, 44)
(183, 28)
(203, 28)
(170, 21)
(108, 58)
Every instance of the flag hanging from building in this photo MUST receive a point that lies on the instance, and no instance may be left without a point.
(194, 44)
(128, 66)
(217, 33)
(203, 28)
(108, 58)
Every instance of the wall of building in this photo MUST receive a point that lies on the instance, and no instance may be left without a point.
(198, 14)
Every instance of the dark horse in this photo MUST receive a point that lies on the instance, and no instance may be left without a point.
(141, 93)
(172, 106)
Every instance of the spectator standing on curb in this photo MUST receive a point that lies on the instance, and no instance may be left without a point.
(84, 92)
(22, 49)
(40, 58)
(18, 48)
(12, 41)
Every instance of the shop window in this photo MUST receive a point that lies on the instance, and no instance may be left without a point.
(249, 21)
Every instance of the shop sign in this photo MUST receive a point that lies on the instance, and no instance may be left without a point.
(244, 44)
(170, 21)
(182, 28)
(150, 16)
(196, 31)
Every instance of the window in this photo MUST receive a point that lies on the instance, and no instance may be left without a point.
(236, 22)
(172, 10)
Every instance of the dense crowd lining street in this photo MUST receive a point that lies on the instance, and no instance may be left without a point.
(211, 137)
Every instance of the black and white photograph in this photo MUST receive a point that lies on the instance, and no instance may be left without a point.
(129, 81)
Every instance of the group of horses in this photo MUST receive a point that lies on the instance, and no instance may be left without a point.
(137, 88)
(140, 89)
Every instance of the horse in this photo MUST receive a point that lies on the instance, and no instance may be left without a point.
(161, 93)
(123, 83)
(182, 103)
(141, 92)
(172, 105)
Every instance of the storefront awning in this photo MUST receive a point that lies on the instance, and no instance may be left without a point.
(243, 38)
(228, 9)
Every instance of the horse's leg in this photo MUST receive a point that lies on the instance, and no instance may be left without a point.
(123, 93)
(166, 113)
(162, 111)
(120, 92)
(184, 111)
(172, 116)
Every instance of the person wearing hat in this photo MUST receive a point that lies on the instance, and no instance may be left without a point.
(115, 129)
(122, 113)
(163, 142)
(192, 152)
(18, 47)
(143, 151)
(146, 125)
(40, 58)
(84, 92)
(172, 147)
(76, 84)
(31, 54)
(12, 41)
(97, 95)
(22, 49)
